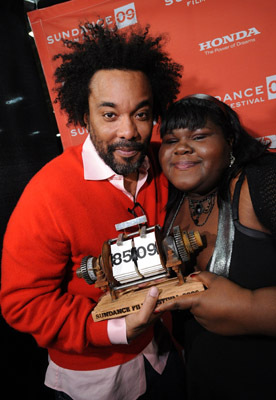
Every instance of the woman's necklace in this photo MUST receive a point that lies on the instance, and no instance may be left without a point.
(198, 207)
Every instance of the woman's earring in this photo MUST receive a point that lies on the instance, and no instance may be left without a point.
(232, 160)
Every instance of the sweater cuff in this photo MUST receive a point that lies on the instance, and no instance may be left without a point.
(116, 329)
(97, 333)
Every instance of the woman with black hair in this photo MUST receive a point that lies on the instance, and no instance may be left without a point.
(223, 184)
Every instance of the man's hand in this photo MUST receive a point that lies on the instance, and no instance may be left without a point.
(138, 322)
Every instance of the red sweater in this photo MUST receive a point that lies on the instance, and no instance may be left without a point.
(59, 219)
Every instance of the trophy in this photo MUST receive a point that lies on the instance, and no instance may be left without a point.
(132, 262)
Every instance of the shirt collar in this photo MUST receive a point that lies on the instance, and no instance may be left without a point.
(95, 168)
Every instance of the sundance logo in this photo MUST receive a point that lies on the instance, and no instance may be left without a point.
(232, 38)
(251, 95)
(270, 141)
(125, 15)
(271, 87)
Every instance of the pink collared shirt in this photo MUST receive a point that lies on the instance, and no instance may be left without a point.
(122, 382)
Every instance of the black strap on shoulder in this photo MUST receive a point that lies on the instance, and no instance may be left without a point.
(236, 197)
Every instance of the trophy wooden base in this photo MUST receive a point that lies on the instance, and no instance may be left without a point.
(131, 300)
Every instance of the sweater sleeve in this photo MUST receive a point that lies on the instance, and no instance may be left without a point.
(34, 296)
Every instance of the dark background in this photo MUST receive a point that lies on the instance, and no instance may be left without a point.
(28, 140)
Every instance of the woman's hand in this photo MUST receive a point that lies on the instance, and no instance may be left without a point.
(138, 322)
(228, 309)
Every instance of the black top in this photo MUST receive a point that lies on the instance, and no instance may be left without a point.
(253, 262)
(234, 367)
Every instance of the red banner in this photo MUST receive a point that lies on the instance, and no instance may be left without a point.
(226, 48)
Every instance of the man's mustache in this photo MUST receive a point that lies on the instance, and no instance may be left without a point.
(126, 144)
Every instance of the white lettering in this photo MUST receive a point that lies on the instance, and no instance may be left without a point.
(78, 131)
(125, 15)
(259, 89)
(246, 42)
(50, 40)
(75, 32)
(237, 95)
(246, 102)
(228, 38)
(248, 92)
(109, 20)
(188, 3)
(271, 87)
(227, 97)
(217, 42)
(221, 49)
(240, 94)
(65, 34)
(57, 37)
(253, 31)
(206, 45)
(100, 22)
(269, 140)
(241, 35)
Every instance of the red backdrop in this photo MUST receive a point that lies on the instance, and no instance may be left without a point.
(227, 49)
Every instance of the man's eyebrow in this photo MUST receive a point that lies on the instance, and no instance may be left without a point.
(106, 104)
(143, 103)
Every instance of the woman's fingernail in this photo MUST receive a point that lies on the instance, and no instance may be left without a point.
(153, 292)
(156, 312)
(194, 274)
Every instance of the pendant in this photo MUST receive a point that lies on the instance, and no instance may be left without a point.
(199, 209)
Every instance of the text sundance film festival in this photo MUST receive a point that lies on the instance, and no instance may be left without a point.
(264, 90)
(123, 16)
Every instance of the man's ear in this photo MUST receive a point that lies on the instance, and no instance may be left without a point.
(86, 121)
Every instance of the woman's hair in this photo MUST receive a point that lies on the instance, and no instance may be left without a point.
(103, 49)
(193, 112)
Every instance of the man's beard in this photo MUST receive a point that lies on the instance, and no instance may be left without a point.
(108, 154)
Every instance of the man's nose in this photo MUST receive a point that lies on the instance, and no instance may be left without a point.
(127, 128)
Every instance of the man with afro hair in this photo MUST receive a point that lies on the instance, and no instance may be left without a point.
(116, 84)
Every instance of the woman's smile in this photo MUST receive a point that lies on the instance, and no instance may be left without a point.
(184, 165)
